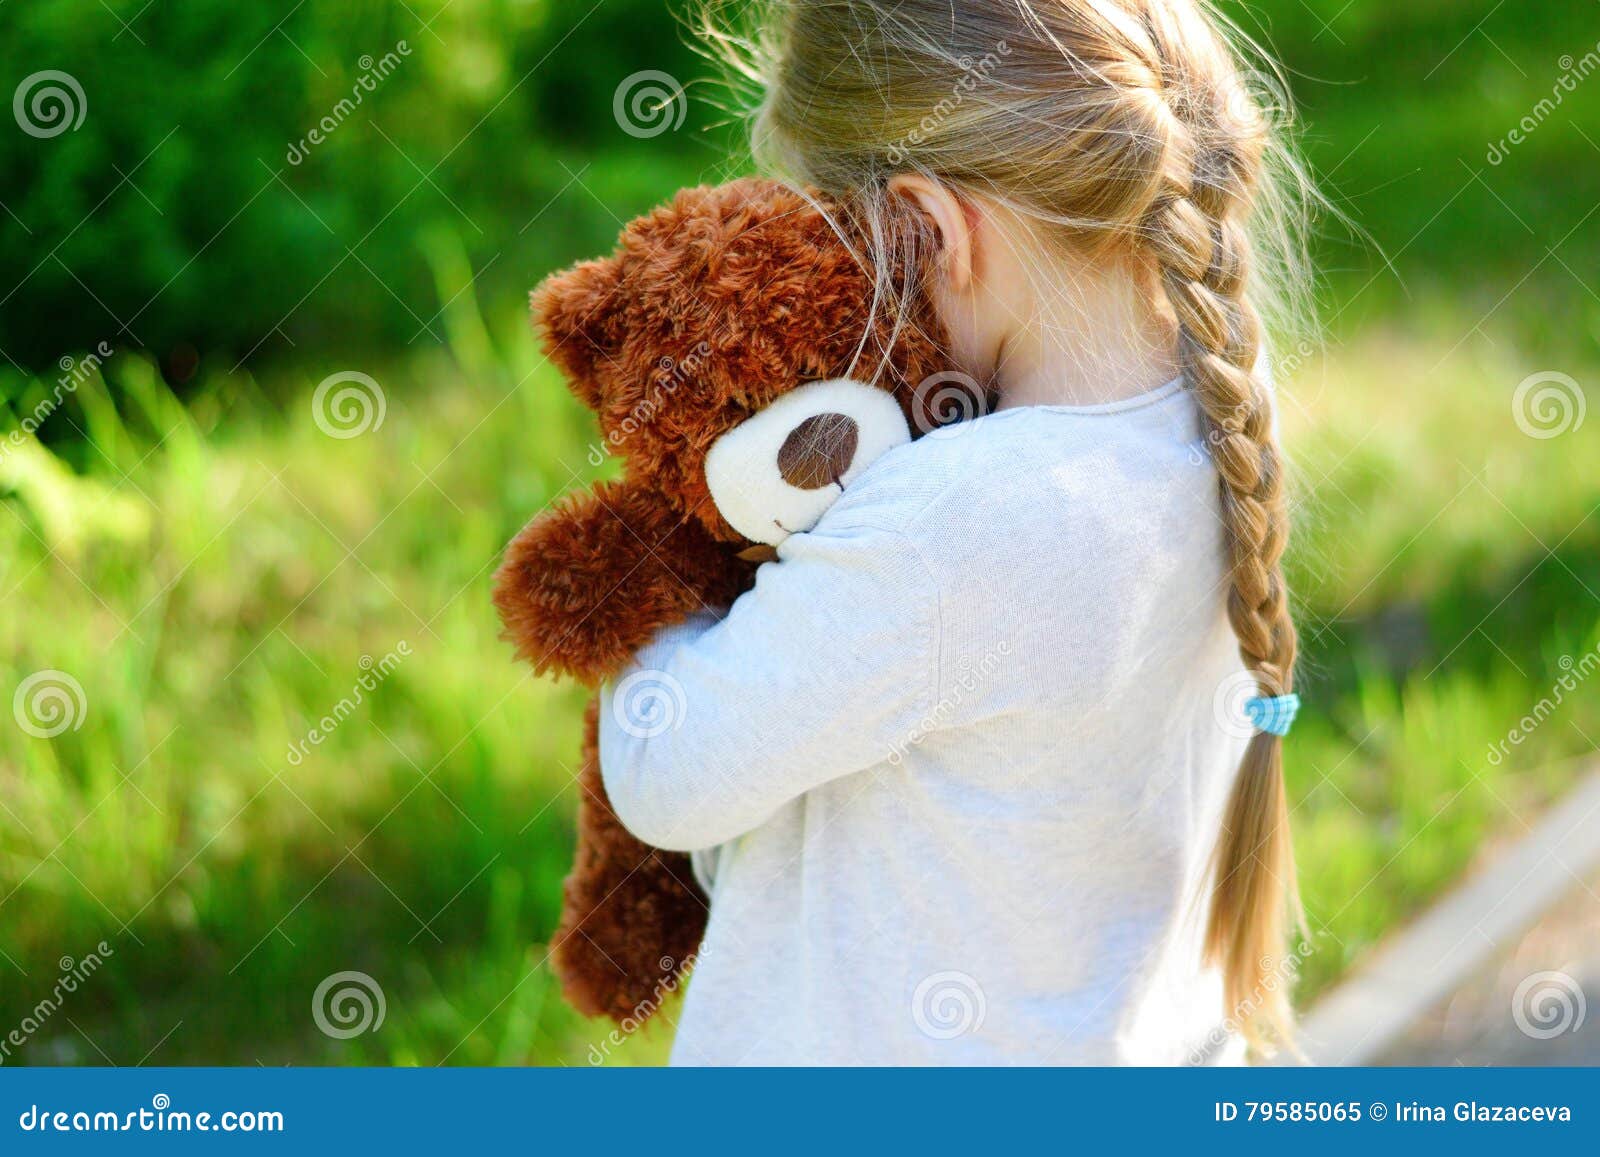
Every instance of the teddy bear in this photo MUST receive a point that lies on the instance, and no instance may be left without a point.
(745, 369)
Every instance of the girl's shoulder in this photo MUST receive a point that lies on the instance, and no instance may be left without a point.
(1038, 468)
(1081, 539)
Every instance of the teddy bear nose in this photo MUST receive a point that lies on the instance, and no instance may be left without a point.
(818, 451)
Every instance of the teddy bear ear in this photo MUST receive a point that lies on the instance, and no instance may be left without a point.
(574, 311)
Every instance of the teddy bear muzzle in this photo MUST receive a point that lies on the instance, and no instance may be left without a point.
(778, 471)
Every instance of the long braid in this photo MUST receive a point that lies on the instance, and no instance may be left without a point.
(1195, 229)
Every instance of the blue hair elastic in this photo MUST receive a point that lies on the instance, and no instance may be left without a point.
(1273, 715)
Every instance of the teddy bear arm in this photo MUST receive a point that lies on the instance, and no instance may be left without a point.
(586, 584)
(631, 915)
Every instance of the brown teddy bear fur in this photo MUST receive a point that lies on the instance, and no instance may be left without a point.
(710, 308)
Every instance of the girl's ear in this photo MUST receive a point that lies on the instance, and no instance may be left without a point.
(954, 219)
(575, 312)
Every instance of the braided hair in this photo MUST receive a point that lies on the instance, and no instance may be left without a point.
(1196, 229)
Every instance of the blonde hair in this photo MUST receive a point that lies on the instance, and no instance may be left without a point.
(1132, 122)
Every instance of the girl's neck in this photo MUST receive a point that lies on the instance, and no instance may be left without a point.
(1084, 377)
(1097, 336)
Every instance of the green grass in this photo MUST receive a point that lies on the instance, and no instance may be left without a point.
(213, 579)
(212, 575)
(1445, 568)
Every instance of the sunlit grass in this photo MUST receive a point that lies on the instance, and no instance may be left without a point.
(1446, 563)
(255, 572)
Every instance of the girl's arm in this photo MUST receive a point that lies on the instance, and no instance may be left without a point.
(826, 667)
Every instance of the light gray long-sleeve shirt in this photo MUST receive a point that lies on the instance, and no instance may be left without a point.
(954, 766)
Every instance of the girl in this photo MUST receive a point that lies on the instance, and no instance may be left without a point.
(966, 769)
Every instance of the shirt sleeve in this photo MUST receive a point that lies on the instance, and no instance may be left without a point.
(825, 667)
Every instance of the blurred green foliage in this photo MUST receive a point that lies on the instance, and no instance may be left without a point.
(177, 211)
(1401, 106)
(174, 209)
